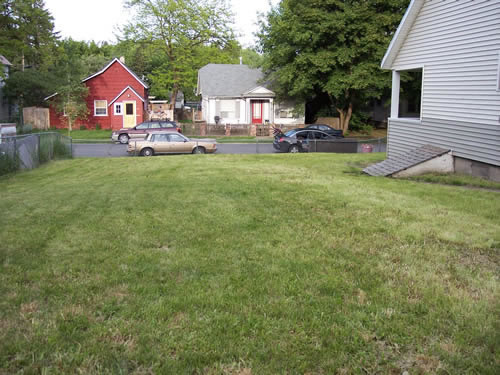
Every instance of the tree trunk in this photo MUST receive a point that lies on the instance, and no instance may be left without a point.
(70, 126)
(173, 98)
(345, 117)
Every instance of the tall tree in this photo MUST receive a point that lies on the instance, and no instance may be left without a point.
(330, 46)
(182, 27)
(27, 32)
(71, 93)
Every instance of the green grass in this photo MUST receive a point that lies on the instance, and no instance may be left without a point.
(245, 264)
(86, 136)
(458, 180)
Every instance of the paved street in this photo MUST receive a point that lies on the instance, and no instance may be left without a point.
(108, 150)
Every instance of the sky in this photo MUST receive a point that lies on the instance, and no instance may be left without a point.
(99, 20)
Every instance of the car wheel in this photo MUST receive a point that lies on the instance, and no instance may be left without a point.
(293, 149)
(123, 139)
(147, 152)
(198, 150)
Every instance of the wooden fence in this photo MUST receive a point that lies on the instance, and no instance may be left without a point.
(250, 130)
(37, 117)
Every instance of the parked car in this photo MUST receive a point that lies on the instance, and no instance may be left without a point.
(298, 140)
(142, 130)
(170, 143)
(327, 129)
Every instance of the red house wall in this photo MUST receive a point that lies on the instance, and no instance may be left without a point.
(129, 96)
(106, 86)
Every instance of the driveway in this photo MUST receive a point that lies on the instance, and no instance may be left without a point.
(109, 150)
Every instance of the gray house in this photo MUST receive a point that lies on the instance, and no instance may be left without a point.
(454, 45)
(5, 107)
(234, 94)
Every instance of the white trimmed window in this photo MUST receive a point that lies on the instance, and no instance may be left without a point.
(286, 113)
(118, 109)
(100, 107)
(407, 90)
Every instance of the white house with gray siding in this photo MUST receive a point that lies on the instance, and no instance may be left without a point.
(456, 46)
(235, 94)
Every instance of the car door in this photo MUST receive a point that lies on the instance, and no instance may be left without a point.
(179, 144)
(301, 137)
(154, 126)
(167, 125)
(161, 143)
(140, 131)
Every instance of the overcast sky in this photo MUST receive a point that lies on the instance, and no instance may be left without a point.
(98, 19)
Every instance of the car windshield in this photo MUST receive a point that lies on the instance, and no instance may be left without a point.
(291, 133)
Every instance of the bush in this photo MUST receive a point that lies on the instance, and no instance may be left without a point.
(8, 163)
(359, 123)
(98, 126)
(83, 127)
(26, 129)
(61, 149)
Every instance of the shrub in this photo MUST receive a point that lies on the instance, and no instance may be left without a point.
(25, 129)
(52, 146)
(61, 149)
(83, 127)
(98, 126)
(8, 163)
(359, 123)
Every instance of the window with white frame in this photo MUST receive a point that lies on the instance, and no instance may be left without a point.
(407, 88)
(286, 113)
(228, 108)
(410, 95)
(118, 109)
(100, 107)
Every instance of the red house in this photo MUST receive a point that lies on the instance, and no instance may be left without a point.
(117, 98)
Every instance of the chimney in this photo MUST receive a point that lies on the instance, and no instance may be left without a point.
(122, 59)
(241, 60)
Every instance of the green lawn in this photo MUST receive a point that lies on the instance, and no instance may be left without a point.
(245, 264)
(457, 179)
(85, 136)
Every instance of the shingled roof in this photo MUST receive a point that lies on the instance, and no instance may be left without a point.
(4, 61)
(229, 80)
(414, 157)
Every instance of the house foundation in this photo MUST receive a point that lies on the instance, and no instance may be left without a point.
(476, 169)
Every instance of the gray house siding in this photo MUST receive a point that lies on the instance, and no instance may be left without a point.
(475, 141)
(457, 43)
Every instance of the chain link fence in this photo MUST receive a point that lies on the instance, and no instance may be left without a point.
(344, 145)
(31, 150)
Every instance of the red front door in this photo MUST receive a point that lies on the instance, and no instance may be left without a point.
(257, 106)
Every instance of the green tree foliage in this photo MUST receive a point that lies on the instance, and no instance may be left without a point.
(330, 46)
(71, 93)
(26, 32)
(31, 85)
(27, 40)
(182, 28)
(252, 58)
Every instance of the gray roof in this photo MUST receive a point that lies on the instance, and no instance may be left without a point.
(228, 79)
(4, 61)
(396, 164)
